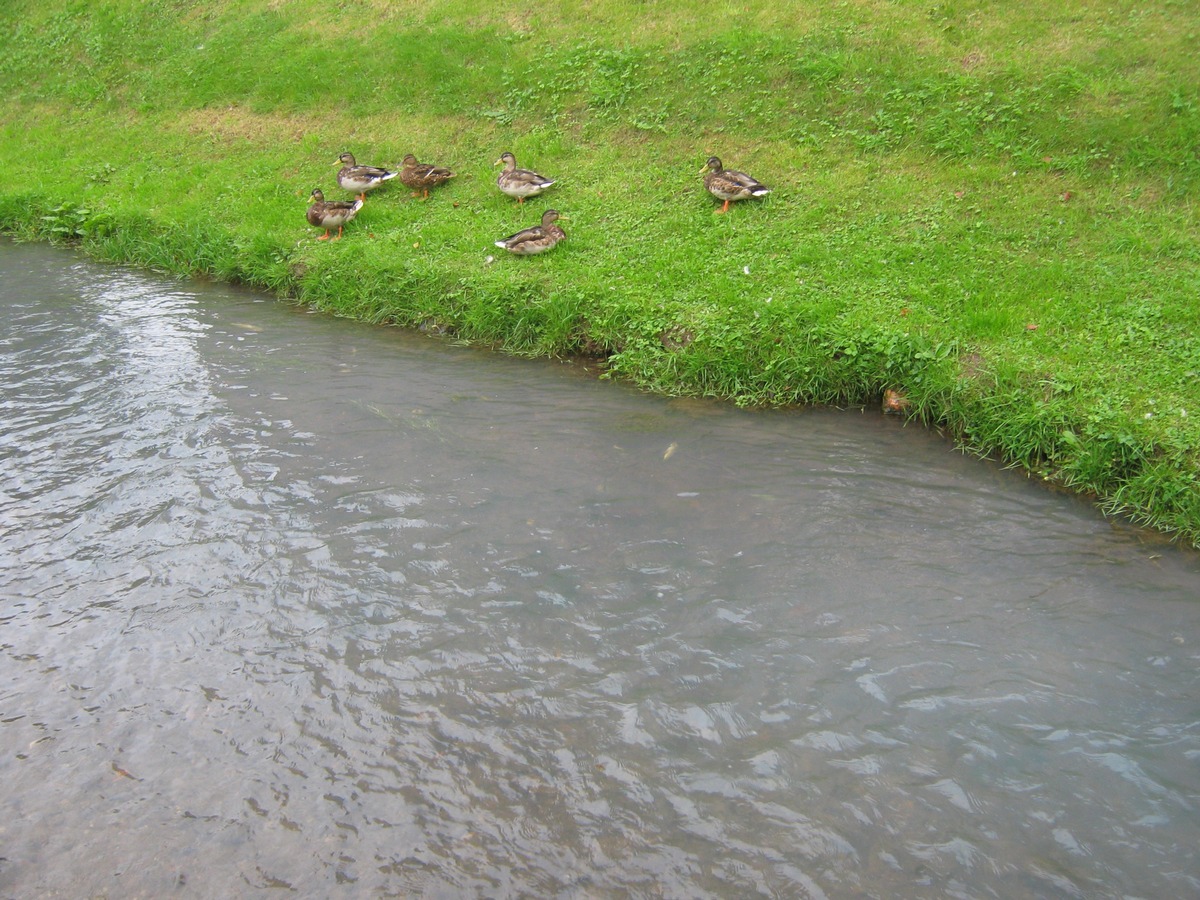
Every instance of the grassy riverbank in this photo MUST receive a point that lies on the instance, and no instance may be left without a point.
(988, 207)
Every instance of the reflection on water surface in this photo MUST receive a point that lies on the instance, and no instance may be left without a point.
(290, 602)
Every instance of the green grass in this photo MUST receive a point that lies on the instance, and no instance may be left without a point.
(991, 207)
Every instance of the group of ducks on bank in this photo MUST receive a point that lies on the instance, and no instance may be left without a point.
(724, 184)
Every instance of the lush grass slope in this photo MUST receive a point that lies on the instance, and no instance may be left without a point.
(988, 206)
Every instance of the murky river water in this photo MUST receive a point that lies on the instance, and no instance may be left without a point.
(294, 603)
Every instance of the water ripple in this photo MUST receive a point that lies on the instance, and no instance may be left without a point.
(290, 603)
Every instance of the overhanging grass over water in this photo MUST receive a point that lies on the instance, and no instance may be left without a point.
(989, 207)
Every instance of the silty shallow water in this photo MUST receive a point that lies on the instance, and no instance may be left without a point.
(294, 603)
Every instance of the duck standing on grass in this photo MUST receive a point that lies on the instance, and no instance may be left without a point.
(519, 183)
(359, 179)
(422, 176)
(729, 185)
(328, 214)
(537, 239)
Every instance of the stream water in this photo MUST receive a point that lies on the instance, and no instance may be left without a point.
(293, 603)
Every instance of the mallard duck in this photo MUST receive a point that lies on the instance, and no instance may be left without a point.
(331, 213)
(423, 176)
(537, 239)
(728, 185)
(359, 179)
(519, 183)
